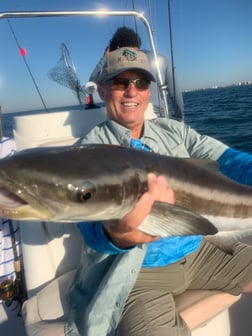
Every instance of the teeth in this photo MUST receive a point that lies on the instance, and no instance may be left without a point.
(130, 104)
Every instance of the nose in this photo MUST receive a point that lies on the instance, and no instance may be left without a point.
(131, 89)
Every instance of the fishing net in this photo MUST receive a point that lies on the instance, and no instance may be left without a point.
(64, 73)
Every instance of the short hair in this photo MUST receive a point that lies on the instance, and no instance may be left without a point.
(125, 37)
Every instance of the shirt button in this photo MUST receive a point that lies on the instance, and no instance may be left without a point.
(133, 271)
(118, 305)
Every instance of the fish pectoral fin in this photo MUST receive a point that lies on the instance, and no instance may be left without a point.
(172, 220)
(226, 240)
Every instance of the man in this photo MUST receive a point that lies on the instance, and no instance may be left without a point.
(127, 37)
(127, 279)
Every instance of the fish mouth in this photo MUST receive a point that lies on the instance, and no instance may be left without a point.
(21, 206)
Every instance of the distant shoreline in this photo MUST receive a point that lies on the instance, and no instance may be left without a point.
(246, 83)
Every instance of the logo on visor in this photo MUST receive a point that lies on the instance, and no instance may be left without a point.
(130, 55)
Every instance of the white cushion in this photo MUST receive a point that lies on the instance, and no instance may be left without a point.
(51, 300)
(50, 303)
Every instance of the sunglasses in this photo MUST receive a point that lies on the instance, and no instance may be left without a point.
(122, 84)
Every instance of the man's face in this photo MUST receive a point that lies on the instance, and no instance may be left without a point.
(126, 104)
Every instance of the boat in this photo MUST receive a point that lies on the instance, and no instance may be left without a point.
(50, 251)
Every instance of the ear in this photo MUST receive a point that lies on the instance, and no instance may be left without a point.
(100, 91)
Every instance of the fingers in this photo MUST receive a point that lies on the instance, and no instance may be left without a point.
(159, 189)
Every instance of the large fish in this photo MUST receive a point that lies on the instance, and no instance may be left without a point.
(100, 182)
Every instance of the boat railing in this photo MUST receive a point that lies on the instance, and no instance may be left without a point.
(101, 13)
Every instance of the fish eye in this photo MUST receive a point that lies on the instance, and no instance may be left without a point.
(83, 192)
(86, 192)
(85, 195)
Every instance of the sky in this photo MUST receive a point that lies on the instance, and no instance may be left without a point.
(211, 44)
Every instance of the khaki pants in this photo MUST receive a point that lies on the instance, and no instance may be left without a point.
(150, 309)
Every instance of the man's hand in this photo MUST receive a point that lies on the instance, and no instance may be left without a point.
(124, 233)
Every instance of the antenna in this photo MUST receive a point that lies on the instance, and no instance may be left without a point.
(175, 103)
(23, 54)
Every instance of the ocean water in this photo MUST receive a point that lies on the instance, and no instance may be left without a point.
(224, 113)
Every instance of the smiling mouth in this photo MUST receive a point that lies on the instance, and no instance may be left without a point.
(131, 105)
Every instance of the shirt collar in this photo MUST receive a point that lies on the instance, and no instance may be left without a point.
(123, 134)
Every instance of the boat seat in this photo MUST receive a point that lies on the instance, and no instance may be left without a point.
(51, 253)
(44, 314)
